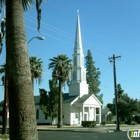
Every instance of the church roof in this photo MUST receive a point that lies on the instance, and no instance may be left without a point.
(105, 110)
(67, 98)
(83, 98)
(36, 99)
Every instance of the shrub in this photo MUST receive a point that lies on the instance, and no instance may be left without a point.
(112, 122)
(4, 137)
(104, 122)
(88, 123)
(109, 122)
(133, 123)
(122, 122)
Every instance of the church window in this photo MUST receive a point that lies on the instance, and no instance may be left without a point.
(97, 110)
(76, 115)
(75, 61)
(46, 117)
(78, 61)
(37, 114)
(74, 75)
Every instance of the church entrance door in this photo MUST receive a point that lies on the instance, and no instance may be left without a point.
(85, 117)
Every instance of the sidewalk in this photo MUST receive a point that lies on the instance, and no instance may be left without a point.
(99, 128)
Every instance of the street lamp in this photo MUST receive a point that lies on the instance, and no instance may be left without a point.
(37, 37)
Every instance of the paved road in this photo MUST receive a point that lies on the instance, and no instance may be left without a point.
(79, 133)
(100, 128)
(68, 135)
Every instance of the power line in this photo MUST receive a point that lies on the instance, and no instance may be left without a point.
(67, 34)
(62, 40)
(51, 27)
(51, 36)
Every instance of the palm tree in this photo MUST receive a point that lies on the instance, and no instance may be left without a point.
(61, 66)
(3, 68)
(2, 71)
(35, 66)
(36, 72)
(5, 106)
(22, 121)
(36, 69)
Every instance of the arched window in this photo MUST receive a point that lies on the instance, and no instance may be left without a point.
(75, 60)
(37, 114)
(46, 117)
(74, 75)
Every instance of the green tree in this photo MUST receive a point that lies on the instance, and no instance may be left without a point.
(100, 98)
(36, 69)
(127, 107)
(53, 99)
(22, 120)
(92, 76)
(43, 102)
(49, 101)
(120, 91)
(61, 66)
(2, 33)
(35, 66)
(3, 68)
(120, 95)
(5, 107)
(36, 72)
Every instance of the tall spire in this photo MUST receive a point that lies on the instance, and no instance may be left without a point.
(78, 38)
(78, 84)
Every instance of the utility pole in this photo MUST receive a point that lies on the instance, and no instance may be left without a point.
(112, 59)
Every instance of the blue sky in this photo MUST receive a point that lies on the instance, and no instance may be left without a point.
(108, 27)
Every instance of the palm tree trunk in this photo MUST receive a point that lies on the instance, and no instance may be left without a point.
(22, 121)
(59, 125)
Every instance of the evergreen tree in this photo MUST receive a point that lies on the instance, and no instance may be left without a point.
(120, 91)
(43, 102)
(49, 100)
(92, 76)
(100, 98)
(127, 106)
(53, 99)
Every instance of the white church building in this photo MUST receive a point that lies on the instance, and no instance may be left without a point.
(78, 104)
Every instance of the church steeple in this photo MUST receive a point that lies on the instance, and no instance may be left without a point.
(78, 84)
(78, 38)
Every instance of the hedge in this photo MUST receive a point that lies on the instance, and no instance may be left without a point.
(88, 123)
(112, 122)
